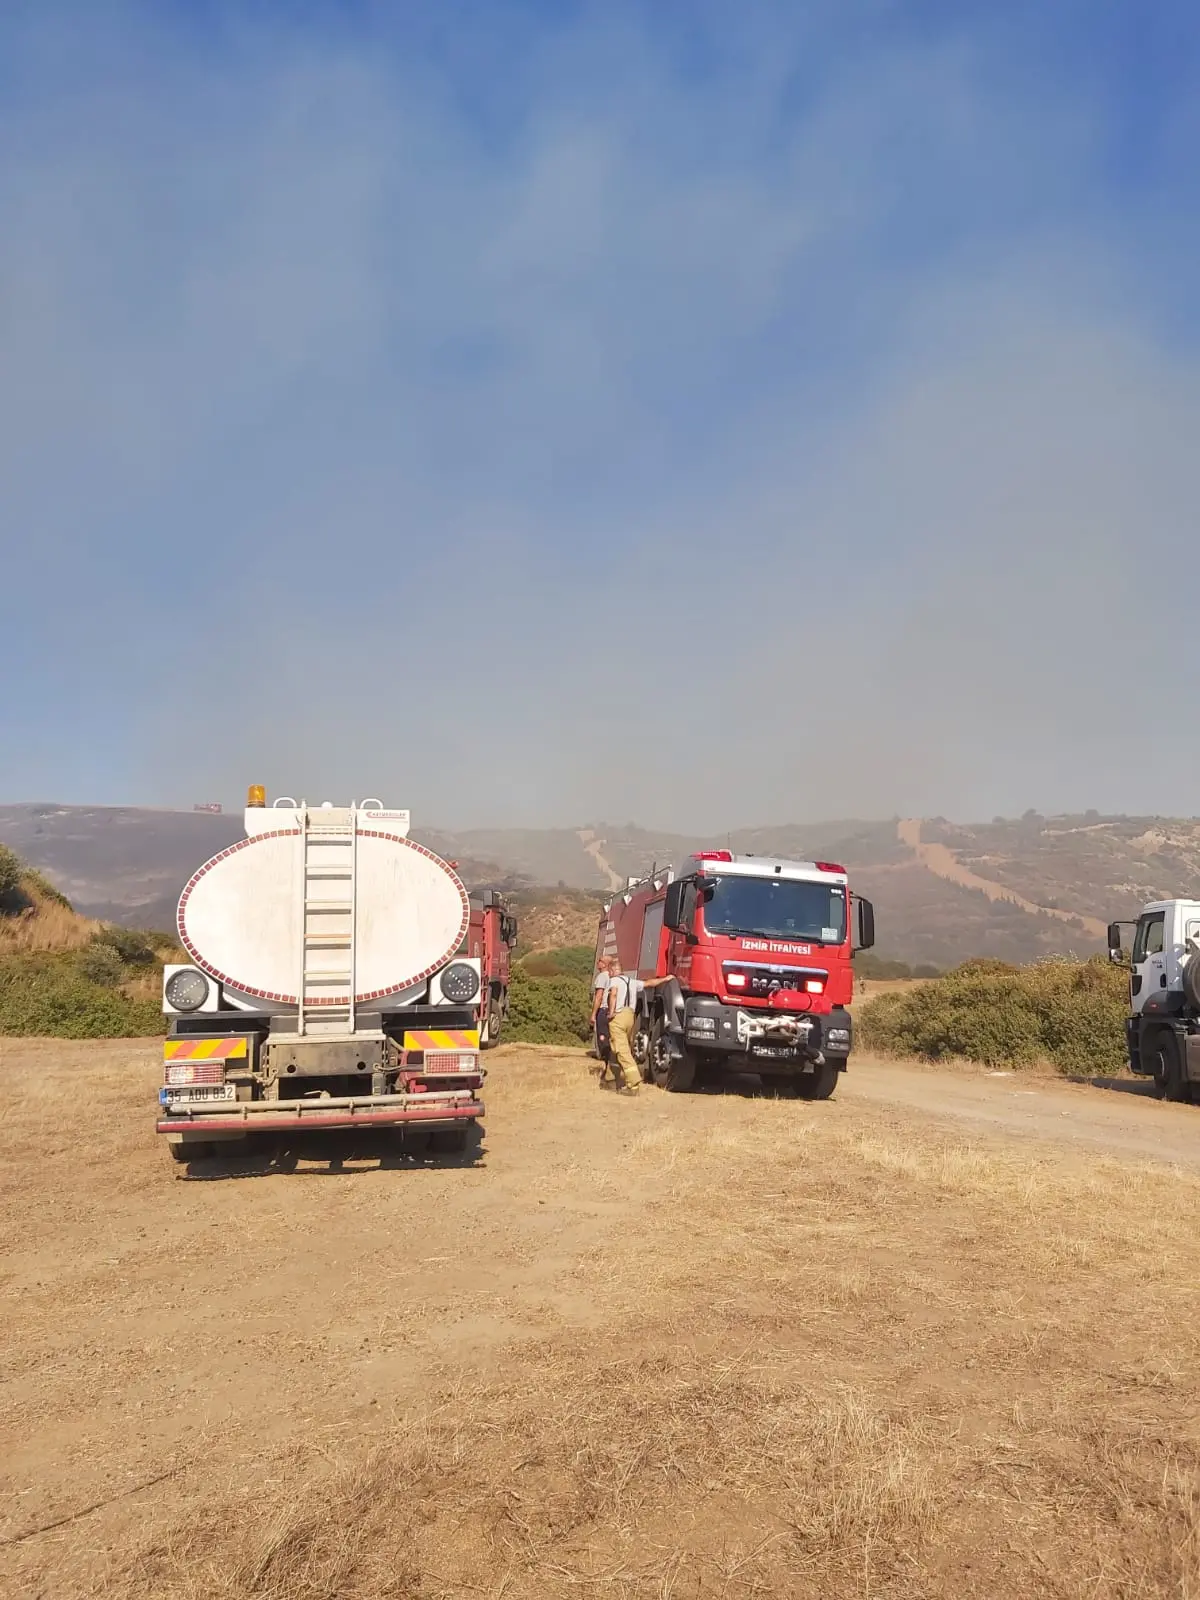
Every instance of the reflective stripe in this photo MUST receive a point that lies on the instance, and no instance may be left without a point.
(441, 1039)
(205, 1049)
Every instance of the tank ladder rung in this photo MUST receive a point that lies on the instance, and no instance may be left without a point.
(321, 833)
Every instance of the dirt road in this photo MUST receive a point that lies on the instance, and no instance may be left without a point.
(1118, 1116)
(935, 1337)
(595, 848)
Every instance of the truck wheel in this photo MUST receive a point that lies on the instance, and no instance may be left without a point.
(639, 1048)
(494, 1022)
(1167, 1060)
(818, 1084)
(675, 1073)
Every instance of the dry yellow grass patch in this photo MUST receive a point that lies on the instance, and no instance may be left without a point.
(44, 925)
(752, 1348)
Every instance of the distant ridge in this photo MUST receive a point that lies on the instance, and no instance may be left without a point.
(1016, 889)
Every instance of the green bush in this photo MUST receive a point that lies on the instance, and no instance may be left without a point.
(99, 963)
(1068, 1012)
(868, 965)
(130, 945)
(548, 1010)
(10, 876)
(50, 995)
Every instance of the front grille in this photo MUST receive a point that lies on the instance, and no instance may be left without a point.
(762, 982)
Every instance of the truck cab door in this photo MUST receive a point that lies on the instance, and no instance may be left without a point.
(1148, 969)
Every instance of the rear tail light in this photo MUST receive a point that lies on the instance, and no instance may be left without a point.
(181, 1072)
(829, 866)
(450, 1061)
(714, 855)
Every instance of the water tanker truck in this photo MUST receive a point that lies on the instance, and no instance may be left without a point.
(328, 986)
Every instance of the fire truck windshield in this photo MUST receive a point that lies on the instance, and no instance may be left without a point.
(777, 908)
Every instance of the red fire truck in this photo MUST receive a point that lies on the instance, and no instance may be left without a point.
(757, 954)
(491, 935)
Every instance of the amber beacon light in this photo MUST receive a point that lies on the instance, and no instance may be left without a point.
(256, 795)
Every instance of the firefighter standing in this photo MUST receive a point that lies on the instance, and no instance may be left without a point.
(622, 996)
(605, 973)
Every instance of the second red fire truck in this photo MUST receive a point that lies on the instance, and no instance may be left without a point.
(491, 935)
(758, 957)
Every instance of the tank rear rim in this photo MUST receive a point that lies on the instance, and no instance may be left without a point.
(334, 1002)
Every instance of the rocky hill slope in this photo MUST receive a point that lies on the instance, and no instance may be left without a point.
(1015, 889)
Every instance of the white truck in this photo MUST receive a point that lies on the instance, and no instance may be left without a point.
(1162, 1031)
(327, 987)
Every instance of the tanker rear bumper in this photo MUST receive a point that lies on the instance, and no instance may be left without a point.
(241, 1118)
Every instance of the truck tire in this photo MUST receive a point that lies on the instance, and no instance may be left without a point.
(818, 1084)
(675, 1073)
(495, 1021)
(639, 1047)
(1162, 1047)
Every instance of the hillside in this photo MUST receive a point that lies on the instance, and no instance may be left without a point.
(34, 916)
(117, 863)
(67, 975)
(550, 919)
(1016, 889)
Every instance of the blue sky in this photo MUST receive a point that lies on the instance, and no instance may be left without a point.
(705, 413)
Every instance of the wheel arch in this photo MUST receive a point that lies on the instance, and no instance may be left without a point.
(665, 1000)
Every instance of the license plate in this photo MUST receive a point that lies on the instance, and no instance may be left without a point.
(776, 1052)
(201, 1092)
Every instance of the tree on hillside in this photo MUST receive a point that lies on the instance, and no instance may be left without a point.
(10, 876)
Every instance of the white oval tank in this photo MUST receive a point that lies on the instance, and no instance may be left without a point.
(248, 916)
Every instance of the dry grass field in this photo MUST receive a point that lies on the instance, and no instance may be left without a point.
(937, 1337)
(44, 925)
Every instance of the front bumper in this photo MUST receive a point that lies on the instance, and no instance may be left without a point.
(237, 1118)
(762, 1034)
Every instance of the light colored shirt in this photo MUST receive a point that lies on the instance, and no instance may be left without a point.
(623, 992)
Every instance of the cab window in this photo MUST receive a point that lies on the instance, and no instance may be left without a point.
(1148, 940)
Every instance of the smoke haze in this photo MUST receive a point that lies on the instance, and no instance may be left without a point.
(701, 415)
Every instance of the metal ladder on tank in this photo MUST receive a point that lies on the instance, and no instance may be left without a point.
(328, 862)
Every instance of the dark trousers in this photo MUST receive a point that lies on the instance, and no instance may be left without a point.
(603, 1044)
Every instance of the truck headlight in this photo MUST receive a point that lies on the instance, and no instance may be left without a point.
(187, 990)
(460, 983)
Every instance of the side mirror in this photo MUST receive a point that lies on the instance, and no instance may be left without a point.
(1115, 954)
(673, 906)
(865, 936)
